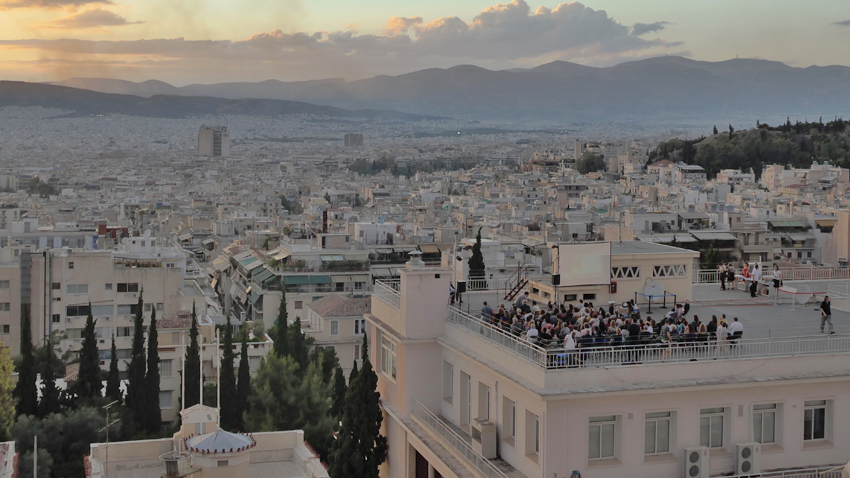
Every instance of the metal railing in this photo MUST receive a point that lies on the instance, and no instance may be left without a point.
(389, 291)
(495, 335)
(710, 276)
(475, 459)
(838, 289)
(801, 473)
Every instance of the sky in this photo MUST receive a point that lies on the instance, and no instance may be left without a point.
(209, 41)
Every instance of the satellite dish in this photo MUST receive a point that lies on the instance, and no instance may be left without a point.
(653, 291)
(803, 294)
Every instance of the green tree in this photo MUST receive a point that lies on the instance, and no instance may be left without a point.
(281, 345)
(136, 384)
(88, 383)
(192, 367)
(326, 360)
(227, 382)
(50, 393)
(113, 378)
(715, 130)
(359, 448)
(477, 269)
(25, 390)
(7, 399)
(64, 437)
(153, 419)
(298, 347)
(338, 395)
(243, 384)
(590, 162)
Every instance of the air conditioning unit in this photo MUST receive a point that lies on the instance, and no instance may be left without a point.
(484, 438)
(696, 462)
(748, 458)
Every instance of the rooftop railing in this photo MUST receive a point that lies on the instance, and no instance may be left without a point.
(461, 446)
(389, 291)
(710, 276)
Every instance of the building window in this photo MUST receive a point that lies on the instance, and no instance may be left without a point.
(358, 285)
(448, 381)
(165, 400)
(77, 310)
(159, 306)
(509, 419)
(814, 420)
(632, 272)
(6, 328)
(388, 356)
(97, 310)
(711, 427)
(334, 324)
(124, 331)
(147, 307)
(359, 326)
(165, 368)
(70, 265)
(56, 286)
(764, 423)
(339, 286)
(570, 297)
(532, 434)
(56, 318)
(358, 352)
(222, 462)
(5, 306)
(107, 286)
(128, 287)
(600, 442)
(668, 271)
(657, 433)
(4, 284)
(299, 305)
(588, 296)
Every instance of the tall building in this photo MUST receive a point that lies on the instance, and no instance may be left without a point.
(353, 139)
(213, 141)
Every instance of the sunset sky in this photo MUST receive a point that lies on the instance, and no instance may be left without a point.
(207, 41)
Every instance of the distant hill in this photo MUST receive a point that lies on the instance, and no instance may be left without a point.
(671, 88)
(87, 102)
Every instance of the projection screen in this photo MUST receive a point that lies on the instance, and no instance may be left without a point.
(587, 263)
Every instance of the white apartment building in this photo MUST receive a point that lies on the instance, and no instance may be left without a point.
(462, 399)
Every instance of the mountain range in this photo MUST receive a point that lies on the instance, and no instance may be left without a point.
(663, 87)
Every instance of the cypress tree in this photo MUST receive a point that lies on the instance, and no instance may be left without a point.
(192, 372)
(136, 394)
(228, 382)
(243, 385)
(477, 269)
(360, 449)
(338, 395)
(298, 347)
(7, 399)
(153, 420)
(50, 394)
(113, 380)
(88, 382)
(281, 345)
(25, 390)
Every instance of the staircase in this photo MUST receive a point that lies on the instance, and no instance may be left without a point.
(517, 282)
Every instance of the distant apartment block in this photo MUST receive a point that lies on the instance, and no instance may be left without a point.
(353, 139)
(213, 141)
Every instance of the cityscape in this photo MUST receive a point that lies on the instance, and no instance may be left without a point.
(576, 241)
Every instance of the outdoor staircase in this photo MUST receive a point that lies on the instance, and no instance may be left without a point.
(519, 279)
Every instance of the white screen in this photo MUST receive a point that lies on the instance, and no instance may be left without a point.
(584, 263)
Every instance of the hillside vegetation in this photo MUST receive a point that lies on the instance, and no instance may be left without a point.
(796, 145)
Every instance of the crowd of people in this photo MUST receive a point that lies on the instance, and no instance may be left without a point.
(750, 276)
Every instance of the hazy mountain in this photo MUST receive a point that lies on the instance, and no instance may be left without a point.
(656, 88)
(86, 102)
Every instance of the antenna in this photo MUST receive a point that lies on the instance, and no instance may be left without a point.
(106, 429)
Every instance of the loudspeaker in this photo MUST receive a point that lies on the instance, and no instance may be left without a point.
(556, 279)
(461, 287)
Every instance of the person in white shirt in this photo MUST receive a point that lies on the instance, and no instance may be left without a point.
(756, 277)
(736, 327)
(722, 340)
(531, 335)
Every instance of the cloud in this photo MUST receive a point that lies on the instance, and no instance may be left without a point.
(643, 28)
(92, 18)
(501, 36)
(48, 4)
(845, 23)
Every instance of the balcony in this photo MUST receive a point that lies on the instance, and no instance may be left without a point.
(389, 292)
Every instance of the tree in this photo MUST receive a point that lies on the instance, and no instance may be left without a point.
(477, 269)
(7, 399)
(136, 383)
(338, 394)
(113, 379)
(64, 437)
(25, 390)
(88, 382)
(299, 348)
(281, 345)
(360, 449)
(590, 162)
(192, 372)
(153, 419)
(50, 393)
(243, 385)
(227, 382)
(715, 130)
(326, 360)
(731, 130)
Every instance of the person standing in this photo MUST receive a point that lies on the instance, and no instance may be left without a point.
(756, 276)
(721, 272)
(777, 276)
(487, 312)
(826, 315)
(730, 276)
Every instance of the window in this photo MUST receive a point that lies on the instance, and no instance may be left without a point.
(814, 420)
(165, 368)
(222, 462)
(299, 305)
(56, 318)
(124, 331)
(128, 309)
(147, 308)
(6, 328)
(532, 434)
(358, 352)
(56, 286)
(632, 272)
(77, 310)
(334, 324)
(764, 423)
(711, 427)
(70, 265)
(570, 297)
(107, 286)
(5, 306)
(165, 399)
(388, 356)
(600, 441)
(339, 286)
(483, 401)
(358, 285)
(4, 284)
(128, 287)
(159, 306)
(668, 271)
(588, 297)
(509, 419)
(101, 310)
(448, 381)
(657, 433)
(78, 288)
(359, 326)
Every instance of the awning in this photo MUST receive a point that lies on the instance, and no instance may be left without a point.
(802, 237)
(213, 283)
(667, 238)
(184, 237)
(826, 222)
(254, 297)
(320, 279)
(248, 290)
(253, 265)
(429, 249)
(208, 241)
(262, 275)
(788, 223)
(280, 256)
(296, 280)
(336, 279)
(713, 236)
(220, 263)
(233, 290)
(360, 278)
(333, 258)
(247, 260)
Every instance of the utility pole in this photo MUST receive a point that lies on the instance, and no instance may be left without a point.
(106, 428)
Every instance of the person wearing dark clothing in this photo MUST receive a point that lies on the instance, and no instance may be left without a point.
(826, 315)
